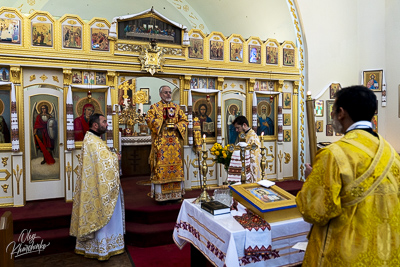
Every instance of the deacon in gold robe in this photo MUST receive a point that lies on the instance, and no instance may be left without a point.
(242, 125)
(97, 219)
(352, 194)
(168, 124)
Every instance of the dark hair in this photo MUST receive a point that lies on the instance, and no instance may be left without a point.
(240, 120)
(94, 118)
(204, 106)
(358, 101)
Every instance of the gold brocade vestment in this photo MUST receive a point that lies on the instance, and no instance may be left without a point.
(166, 151)
(97, 187)
(352, 199)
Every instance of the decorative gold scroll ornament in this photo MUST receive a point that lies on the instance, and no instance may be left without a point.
(151, 58)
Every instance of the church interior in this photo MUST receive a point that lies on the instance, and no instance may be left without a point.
(264, 60)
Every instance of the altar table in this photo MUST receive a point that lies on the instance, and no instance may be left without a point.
(221, 239)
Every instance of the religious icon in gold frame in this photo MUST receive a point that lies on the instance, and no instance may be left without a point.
(319, 125)
(287, 101)
(205, 110)
(42, 34)
(255, 54)
(77, 77)
(72, 36)
(287, 119)
(329, 106)
(272, 55)
(288, 57)
(333, 88)
(196, 48)
(373, 80)
(329, 130)
(236, 51)
(5, 116)
(319, 108)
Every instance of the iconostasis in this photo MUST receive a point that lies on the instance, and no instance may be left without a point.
(54, 73)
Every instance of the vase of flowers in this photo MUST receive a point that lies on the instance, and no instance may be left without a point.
(222, 154)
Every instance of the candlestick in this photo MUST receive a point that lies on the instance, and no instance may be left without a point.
(262, 139)
(204, 142)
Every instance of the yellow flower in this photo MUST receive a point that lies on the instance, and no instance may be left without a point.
(224, 156)
(217, 153)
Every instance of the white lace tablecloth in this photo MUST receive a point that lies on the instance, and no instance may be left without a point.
(221, 239)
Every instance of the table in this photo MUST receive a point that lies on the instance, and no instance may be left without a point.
(221, 238)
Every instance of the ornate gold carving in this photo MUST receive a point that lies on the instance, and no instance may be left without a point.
(195, 174)
(140, 97)
(187, 164)
(195, 35)
(17, 174)
(69, 171)
(151, 58)
(5, 187)
(201, 27)
(4, 161)
(186, 8)
(43, 77)
(123, 79)
(236, 40)
(32, 77)
(211, 172)
(8, 174)
(128, 47)
(254, 42)
(42, 19)
(111, 77)
(173, 51)
(15, 74)
(31, 2)
(280, 85)
(100, 25)
(225, 85)
(287, 158)
(216, 38)
(286, 86)
(9, 15)
(271, 148)
(241, 86)
(280, 156)
(72, 22)
(174, 81)
(233, 85)
(55, 78)
(76, 170)
(67, 76)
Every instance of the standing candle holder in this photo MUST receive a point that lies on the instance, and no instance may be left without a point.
(204, 197)
(263, 163)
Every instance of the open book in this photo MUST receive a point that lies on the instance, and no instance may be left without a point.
(208, 127)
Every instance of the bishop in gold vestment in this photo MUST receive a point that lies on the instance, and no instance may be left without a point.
(352, 195)
(97, 219)
(167, 176)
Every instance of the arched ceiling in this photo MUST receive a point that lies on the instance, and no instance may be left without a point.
(260, 18)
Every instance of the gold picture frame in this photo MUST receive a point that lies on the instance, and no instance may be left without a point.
(273, 203)
(372, 79)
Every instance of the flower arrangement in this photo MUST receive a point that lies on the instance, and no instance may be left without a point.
(222, 154)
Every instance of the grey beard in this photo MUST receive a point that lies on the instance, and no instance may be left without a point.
(337, 126)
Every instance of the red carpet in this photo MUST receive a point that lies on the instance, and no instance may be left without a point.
(165, 256)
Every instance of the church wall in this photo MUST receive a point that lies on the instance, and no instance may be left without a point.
(342, 41)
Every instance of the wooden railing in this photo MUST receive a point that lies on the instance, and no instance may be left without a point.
(6, 237)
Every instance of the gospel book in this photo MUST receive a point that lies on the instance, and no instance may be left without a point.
(215, 207)
(208, 127)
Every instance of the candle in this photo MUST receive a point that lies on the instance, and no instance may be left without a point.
(204, 142)
(262, 139)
